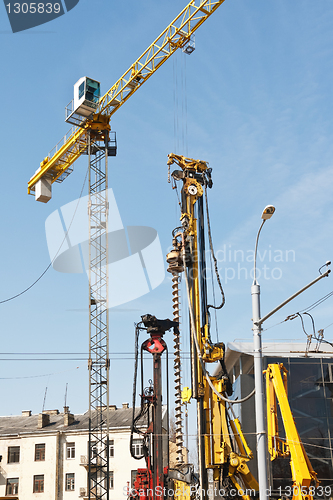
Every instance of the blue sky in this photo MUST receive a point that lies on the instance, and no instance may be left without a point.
(254, 100)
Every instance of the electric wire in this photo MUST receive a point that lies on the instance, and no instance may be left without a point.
(273, 326)
(129, 354)
(305, 311)
(51, 263)
(195, 436)
(313, 324)
(131, 358)
(38, 376)
(302, 322)
(319, 339)
(318, 302)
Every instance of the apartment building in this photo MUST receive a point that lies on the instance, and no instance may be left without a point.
(46, 455)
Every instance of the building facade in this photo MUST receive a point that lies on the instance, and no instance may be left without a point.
(46, 455)
(310, 395)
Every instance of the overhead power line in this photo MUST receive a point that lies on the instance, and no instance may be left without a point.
(56, 255)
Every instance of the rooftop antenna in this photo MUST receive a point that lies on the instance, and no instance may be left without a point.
(44, 399)
(66, 394)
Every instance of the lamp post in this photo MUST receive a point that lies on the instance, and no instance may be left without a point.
(258, 375)
(262, 450)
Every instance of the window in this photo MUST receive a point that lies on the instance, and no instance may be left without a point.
(92, 90)
(81, 90)
(93, 449)
(13, 454)
(70, 450)
(39, 452)
(111, 480)
(137, 447)
(39, 484)
(70, 482)
(12, 486)
(111, 447)
(134, 473)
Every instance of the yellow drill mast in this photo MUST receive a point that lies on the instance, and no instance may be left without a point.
(223, 453)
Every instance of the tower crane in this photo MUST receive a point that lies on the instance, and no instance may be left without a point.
(58, 164)
(91, 134)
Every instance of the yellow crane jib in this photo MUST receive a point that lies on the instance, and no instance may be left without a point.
(59, 162)
(303, 475)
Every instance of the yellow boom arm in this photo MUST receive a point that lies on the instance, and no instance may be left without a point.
(302, 473)
(57, 165)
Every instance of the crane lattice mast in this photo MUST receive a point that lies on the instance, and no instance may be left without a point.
(98, 363)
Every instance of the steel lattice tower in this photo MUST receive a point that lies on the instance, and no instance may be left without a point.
(98, 364)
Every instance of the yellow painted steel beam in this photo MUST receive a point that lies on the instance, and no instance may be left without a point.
(62, 158)
(302, 472)
(240, 438)
(175, 36)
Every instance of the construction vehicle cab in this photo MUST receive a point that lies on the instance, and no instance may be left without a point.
(87, 93)
(86, 96)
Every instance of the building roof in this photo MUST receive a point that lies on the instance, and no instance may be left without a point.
(13, 425)
(284, 349)
(279, 349)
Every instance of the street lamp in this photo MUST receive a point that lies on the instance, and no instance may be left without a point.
(262, 449)
(258, 369)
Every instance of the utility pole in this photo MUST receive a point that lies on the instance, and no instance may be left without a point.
(257, 321)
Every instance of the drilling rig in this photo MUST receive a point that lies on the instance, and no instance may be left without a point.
(222, 449)
(223, 453)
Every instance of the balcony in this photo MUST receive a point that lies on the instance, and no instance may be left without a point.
(96, 462)
(83, 493)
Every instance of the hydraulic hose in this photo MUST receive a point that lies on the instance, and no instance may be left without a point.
(193, 330)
